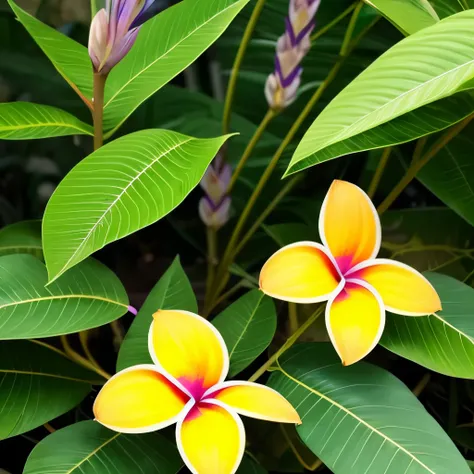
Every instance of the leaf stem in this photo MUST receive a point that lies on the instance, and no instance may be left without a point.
(238, 62)
(84, 340)
(417, 165)
(49, 428)
(421, 385)
(333, 23)
(379, 172)
(290, 341)
(98, 109)
(211, 237)
(309, 467)
(293, 317)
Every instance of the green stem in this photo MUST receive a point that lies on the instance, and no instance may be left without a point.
(211, 263)
(379, 172)
(289, 343)
(250, 147)
(346, 44)
(421, 385)
(333, 23)
(417, 164)
(98, 109)
(238, 62)
(293, 317)
(465, 5)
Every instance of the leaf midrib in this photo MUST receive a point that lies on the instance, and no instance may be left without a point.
(59, 297)
(360, 420)
(47, 124)
(44, 374)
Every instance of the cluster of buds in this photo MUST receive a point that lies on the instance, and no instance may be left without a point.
(114, 30)
(214, 207)
(282, 85)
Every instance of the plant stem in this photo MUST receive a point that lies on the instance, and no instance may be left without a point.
(251, 145)
(226, 296)
(333, 23)
(421, 385)
(346, 43)
(417, 165)
(49, 428)
(293, 317)
(238, 62)
(98, 109)
(84, 340)
(309, 467)
(290, 341)
(211, 236)
(379, 172)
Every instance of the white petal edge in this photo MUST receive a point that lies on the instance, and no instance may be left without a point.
(387, 261)
(382, 318)
(232, 413)
(225, 353)
(156, 426)
(319, 299)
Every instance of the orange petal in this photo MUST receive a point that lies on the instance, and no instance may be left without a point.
(349, 225)
(403, 289)
(355, 319)
(189, 349)
(211, 439)
(257, 401)
(301, 273)
(139, 400)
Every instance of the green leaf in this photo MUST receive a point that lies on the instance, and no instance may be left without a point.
(22, 237)
(248, 326)
(173, 291)
(418, 71)
(27, 121)
(124, 186)
(70, 58)
(90, 295)
(179, 35)
(409, 16)
(37, 385)
(444, 341)
(361, 419)
(89, 448)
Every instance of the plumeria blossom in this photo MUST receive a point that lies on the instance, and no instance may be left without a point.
(359, 288)
(114, 30)
(185, 385)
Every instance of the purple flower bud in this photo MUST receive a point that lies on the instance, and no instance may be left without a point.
(114, 30)
(282, 85)
(214, 207)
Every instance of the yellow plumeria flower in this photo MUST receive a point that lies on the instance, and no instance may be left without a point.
(344, 271)
(186, 386)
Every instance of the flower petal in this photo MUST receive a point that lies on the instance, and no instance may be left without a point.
(189, 349)
(211, 439)
(349, 225)
(257, 401)
(403, 289)
(139, 400)
(301, 273)
(355, 319)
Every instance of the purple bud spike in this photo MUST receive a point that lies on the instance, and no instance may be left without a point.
(132, 310)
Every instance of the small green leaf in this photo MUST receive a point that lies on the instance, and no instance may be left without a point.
(419, 70)
(443, 342)
(37, 385)
(90, 295)
(409, 16)
(27, 121)
(179, 35)
(124, 186)
(173, 291)
(361, 419)
(89, 448)
(248, 326)
(70, 58)
(22, 237)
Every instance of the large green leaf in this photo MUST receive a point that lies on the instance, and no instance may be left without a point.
(419, 70)
(37, 384)
(173, 291)
(124, 186)
(27, 121)
(90, 295)
(22, 237)
(179, 35)
(444, 341)
(89, 448)
(446, 8)
(409, 16)
(70, 58)
(361, 419)
(247, 326)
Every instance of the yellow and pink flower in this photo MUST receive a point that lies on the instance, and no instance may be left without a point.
(185, 385)
(359, 288)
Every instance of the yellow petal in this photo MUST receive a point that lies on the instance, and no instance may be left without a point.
(403, 289)
(256, 401)
(211, 440)
(355, 319)
(189, 349)
(300, 273)
(349, 225)
(139, 400)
